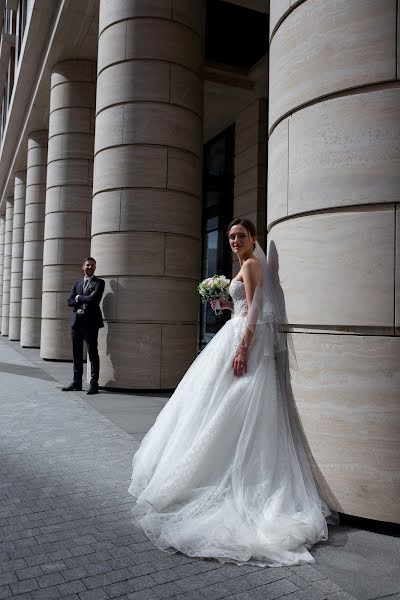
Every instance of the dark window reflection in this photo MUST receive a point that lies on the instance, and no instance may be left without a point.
(218, 178)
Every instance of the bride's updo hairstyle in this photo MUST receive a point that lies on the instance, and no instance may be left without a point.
(247, 224)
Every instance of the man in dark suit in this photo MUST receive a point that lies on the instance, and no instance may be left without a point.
(86, 319)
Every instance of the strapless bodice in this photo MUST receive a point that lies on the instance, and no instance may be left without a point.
(238, 294)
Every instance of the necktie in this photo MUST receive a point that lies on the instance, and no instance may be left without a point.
(85, 286)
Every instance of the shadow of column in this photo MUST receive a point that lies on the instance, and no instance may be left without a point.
(286, 362)
(109, 309)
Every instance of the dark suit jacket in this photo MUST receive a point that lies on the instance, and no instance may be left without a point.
(92, 317)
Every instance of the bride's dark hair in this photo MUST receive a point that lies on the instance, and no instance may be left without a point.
(246, 223)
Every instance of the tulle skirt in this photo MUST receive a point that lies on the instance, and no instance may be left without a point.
(223, 473)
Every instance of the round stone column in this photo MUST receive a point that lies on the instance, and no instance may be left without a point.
(32, 274)
(147, 189)
(17, 255)
(68, 198)
(8, 234)
(2, 235)
(333, 214)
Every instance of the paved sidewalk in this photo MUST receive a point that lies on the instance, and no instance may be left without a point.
(65, 524)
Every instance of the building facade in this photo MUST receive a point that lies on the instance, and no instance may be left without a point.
(134, 130)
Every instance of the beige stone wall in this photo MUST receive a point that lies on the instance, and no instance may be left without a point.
(2, 235)
(17, 255)
(333, 196)
(8, 233)
(68, 197)
(32, 275)
(250, 164)
(347, 392)
(147, 187)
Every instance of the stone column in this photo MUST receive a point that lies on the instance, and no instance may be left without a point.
(17, 255)
(68, 197)
(333, 197)
(32, 273)
(250, 161)
(147, 188)
(2, 235)
(8, 234)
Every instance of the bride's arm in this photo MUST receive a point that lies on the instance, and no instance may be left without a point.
(251, 277)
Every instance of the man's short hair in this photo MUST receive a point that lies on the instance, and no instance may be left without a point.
(88, 258)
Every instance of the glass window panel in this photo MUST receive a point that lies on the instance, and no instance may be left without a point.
(218, 179)
(212, 198)
(212, 253)
(212, 223)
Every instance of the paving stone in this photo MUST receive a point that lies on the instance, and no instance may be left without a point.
(53, 567)
(37, 559)
(72, 587)
(307, 572)
(29, 572)
(96, 581)
(271, 591)
(97, 594)
(75, 573)
(208, 578)
(143, 595)
(118, 575)
(122, 561)
(62, 554)
(49, 580)
(167, 590)
(199, 566)
(297, 580)
(6, 578)
(98, 568)
(48, 593)
(164, 576)
(120, 551)
(12, 565)
(80, 550)
(143, 569)
(311, 593)
(326, 586)
(28, 585)
(85, 539)
(122, 587)
(345, 596)
(21, 552)
(100, 556)
(5, 591)
(77, 561)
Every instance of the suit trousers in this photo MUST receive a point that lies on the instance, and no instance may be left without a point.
(81, 333)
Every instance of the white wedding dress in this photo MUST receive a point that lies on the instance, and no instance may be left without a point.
(223, 473)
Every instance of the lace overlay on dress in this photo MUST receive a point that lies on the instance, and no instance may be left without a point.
(238, 295)
(223, 473)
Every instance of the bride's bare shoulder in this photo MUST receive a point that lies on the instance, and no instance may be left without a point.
(251, 270)
(251, 265)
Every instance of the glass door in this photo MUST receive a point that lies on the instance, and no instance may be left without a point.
(218, 178)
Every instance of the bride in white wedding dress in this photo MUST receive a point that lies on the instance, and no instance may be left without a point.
(222, 473)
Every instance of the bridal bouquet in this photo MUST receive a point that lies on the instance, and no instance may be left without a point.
(212, 288)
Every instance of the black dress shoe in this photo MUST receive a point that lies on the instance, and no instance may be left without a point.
(93, 389)
(72, 387)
